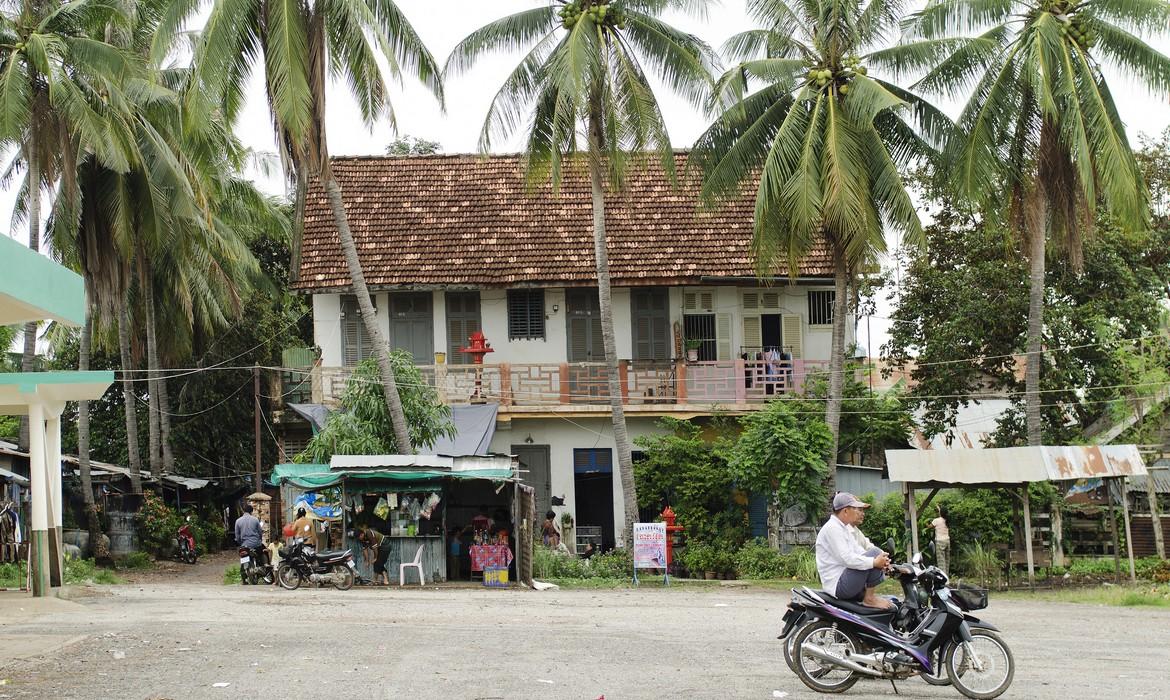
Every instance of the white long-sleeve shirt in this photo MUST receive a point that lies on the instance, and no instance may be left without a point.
(840, 547)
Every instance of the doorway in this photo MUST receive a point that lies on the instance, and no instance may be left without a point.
(593, 484)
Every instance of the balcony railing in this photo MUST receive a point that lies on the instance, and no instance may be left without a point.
(587, 383)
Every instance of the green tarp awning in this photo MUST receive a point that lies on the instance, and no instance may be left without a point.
(318, 476)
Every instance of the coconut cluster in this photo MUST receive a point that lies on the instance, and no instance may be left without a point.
(1075, 29)
(821, 75)
(601, 13)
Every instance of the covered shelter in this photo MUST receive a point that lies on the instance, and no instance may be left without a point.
(416, 501)
(33, 288)
(1012, 468)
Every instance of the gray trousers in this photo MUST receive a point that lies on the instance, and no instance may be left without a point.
(852, 584)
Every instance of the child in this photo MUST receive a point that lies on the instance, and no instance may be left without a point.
(454, 554)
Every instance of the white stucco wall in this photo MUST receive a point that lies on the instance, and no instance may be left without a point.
(553, 348)
(562, 437)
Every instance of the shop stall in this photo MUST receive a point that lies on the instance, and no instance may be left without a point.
(455, 516)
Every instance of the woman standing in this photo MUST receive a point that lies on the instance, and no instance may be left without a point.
(942, 540)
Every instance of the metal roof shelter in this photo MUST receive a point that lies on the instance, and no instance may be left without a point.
(1012, 468)
(34, 288)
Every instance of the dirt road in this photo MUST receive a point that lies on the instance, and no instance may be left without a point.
(166, 640)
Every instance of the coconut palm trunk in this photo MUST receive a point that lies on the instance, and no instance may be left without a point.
(28, 358)
(366, 305)
(1035, 217)
(93, 524)
(151, 368)
(837, 361)
(128, 397)
(164, 406)
(621, 436)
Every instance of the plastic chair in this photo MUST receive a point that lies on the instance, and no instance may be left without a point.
(417, 564)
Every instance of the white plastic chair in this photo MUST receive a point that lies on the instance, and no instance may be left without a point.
(417, 564)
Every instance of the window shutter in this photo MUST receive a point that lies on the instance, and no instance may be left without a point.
(770, 300)
(660, 338)
(707, 301)
(690, 301)
(356, 343)
(751, 301)
(793, 338)
(723, 336)
(643, 340)
(753, 337)
(525, 314)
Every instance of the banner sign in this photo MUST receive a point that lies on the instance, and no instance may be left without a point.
(649, 545)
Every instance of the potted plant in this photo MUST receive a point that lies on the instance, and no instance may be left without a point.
(701, 558)
(692, 346)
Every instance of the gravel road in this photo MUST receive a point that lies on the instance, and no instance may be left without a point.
(178, 640)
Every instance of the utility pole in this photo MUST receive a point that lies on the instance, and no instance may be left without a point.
(256, 395)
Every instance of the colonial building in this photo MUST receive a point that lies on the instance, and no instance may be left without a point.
(451, 245)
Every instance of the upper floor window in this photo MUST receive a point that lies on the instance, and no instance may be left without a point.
(525, 314)
(820, 307)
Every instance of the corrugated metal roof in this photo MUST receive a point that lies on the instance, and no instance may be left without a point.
(1161, 479)
(1014, 465)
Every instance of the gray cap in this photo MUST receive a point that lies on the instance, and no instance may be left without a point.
(844, 500)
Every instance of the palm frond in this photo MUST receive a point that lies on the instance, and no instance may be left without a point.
(505, 34)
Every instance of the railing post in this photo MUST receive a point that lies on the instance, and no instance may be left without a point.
(624, 378)
(740, 381)
(564, 382)
(441, 381)
(680, 382)
(505, 383)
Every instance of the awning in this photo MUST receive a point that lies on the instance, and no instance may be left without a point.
(315, 413)
(13, 477)
(402, 468)
(1014, 465)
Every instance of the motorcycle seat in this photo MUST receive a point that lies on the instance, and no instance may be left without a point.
(852, 607)
(332, 554)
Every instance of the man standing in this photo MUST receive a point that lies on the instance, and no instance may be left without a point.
(377, 542)
(850, 566)
(250, 535)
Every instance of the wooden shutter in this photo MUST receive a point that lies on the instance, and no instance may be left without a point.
(650, 321)
(525, 313)
(753, 336)
(723, 336)
(702, 300)
(751, 301)
(792, 332)
(355, 341)
(770, 300)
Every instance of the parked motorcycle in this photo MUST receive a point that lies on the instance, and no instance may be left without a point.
(255, 567)
(931, 633)
(185, 543)
(299, 563)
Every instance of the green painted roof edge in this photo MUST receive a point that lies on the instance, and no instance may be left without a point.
(67, 377)
(37, 281)
(315, 476)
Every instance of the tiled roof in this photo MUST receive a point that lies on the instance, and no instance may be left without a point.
(470, 220)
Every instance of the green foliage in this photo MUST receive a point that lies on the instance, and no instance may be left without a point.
(689, 473)
(981, 562)
(135, 561)
(410, 146)
(885, 519)
(550, 564)
(79, 571)
(758, 561)
(699, 557)
(157, 525)
(782, 452)
(231, 575)
(209, 533)
(363, 425)
(12, 575)
(614, 564)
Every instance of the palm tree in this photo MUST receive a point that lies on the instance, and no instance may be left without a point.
(58, 85)
(300, 44)
(822, 142)
(1040, 137)
(584, 70)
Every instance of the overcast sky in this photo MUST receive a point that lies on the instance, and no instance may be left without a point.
(442, 24)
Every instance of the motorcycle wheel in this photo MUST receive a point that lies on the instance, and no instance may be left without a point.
(288, 577)
(790, 647)
(999, 667)
(346, 577)
(190, 556)
(819, 675)
(269, 577)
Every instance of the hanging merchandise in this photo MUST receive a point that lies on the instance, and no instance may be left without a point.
(382, 509)
(411, 506)
(393, 500)
(428, 506)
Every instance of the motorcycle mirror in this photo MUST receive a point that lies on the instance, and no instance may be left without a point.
(917, 559)
(890, 545)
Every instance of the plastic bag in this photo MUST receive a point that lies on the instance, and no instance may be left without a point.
(382, 509)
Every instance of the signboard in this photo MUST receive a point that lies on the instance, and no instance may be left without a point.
(649, 545)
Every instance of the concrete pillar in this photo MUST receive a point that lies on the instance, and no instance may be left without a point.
(53, 479)
(39, 488)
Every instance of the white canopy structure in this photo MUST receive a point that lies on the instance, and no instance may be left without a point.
(34, 288)
(1012, 468)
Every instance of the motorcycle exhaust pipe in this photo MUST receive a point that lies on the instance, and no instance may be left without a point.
(819, 653)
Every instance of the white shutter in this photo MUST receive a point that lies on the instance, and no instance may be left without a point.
(751, 301)
(770, 300)
(707, 300)
(690, 301)
(793, 333)
(753, 339)
(723, 336)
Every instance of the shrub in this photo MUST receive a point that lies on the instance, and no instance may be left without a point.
(699, 557)
(551, 564)
(85, 571)
(157, 525)
(135, 560)
(11, 576)
(756, 560)
(802, 564)
(614, 564)
(231, 575)
(981, 562)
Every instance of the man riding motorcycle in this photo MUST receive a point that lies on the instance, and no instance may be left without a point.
(250, 536)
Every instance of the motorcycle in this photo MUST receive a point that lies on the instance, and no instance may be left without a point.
(931, 634)
(252, 571)
(185, 543)
(300, 563)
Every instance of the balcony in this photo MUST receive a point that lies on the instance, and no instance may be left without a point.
(643, 384)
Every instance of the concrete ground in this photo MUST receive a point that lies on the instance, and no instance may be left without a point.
(161, 639)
